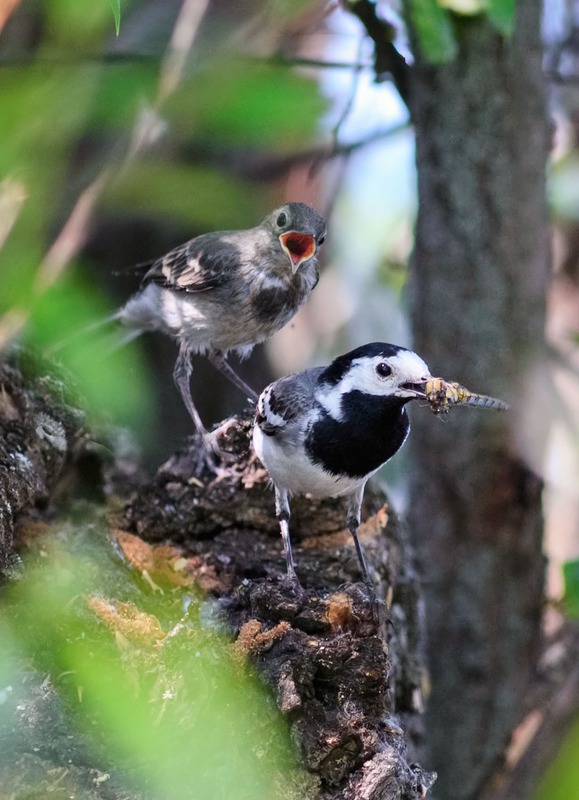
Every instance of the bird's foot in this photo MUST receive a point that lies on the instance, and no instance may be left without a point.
(378, 608)
(211, 443)
(292, 581)
(222, 454)
(220, 433)
(219, 463)
(224, 465)
(205, 462)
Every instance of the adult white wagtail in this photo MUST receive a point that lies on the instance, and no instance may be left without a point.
(227, 291)
(326, 430)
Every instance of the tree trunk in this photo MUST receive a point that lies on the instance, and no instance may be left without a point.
(477, 295)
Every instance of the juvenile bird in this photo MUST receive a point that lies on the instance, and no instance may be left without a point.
(227, 291)
(327, 430)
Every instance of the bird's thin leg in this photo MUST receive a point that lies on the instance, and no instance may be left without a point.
(182, 376)
(219, 362)
(282, 512)
(353, 522)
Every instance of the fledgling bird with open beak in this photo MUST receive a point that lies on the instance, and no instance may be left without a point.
(227, 291)
(327, 430)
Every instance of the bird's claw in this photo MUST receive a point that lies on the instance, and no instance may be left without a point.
(222, 464)
(211, 440)
(378, 608)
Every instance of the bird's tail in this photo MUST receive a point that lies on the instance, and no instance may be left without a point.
(116, 339)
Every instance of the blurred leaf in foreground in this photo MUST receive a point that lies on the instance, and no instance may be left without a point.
(571, 582)
(197, 197)
(112, 379)
(502, 15)
(239, 103)
(159, 694)
(561, 779)
(564, 188)
(434, 29)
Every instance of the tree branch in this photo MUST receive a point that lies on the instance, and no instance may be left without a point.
(387, 59)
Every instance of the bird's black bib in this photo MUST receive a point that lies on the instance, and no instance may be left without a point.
(372, 429)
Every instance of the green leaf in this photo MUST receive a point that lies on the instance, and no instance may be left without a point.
(283, 11)
(182, 717)
(244, 103)
(560, 779)
(434, 29)
(77, 27)
(502, 15)
(200, 198)
(113, 381)
(571, 581)
(116, 7)
(124, 90)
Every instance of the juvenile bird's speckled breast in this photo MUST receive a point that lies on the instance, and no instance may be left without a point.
(274, 300)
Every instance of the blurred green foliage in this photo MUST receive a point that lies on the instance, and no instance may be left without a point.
(243, 102)
(560, 780)
(564, 188)
(502, 15)
(571, 584)
(113, 379)
(179, 717)
(434, 23)
(182, 192)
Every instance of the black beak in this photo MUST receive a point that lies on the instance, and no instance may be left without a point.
(418, 387)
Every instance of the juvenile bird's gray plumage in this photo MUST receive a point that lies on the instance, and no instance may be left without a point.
(327, 430)
(229, 290)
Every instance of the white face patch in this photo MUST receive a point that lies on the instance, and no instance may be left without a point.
(406, 366)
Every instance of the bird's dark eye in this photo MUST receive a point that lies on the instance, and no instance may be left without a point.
(281, 220)
(383, 369)
(322, 239)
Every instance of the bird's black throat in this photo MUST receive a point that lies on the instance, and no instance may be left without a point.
(372, 429)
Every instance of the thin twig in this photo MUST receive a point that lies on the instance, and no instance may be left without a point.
(335, 132)
(387, 59)
(267, 167)
(180, 45)
(298, 61)
(351, 98)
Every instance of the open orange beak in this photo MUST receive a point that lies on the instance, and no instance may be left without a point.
(299, 247)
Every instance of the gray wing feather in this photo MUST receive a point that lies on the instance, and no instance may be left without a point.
(286, 401)
(199, 265)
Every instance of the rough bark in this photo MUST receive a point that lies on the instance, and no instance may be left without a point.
(46, 452)
(477, 296)
(348, 677)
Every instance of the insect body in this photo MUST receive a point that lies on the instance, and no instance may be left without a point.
(441, 394)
